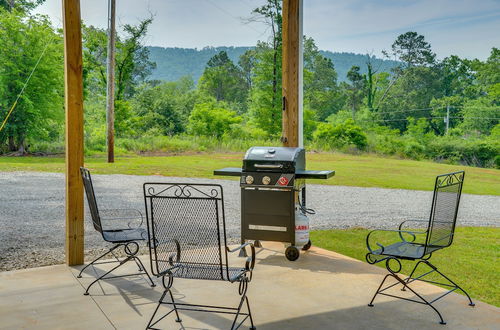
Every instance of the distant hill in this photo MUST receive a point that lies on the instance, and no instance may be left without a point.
(174, 63)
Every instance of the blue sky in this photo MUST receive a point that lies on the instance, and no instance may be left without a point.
(462, 27)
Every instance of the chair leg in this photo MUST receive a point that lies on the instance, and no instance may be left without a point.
(472, 304)
(178, 319)
(419, 296)
(244, 299)
(407, 280)
(250, 315)
(405, 285)
(103, 276)
(98, 258)
(161, 302)
(150, 323)
(141, 265)
(378, 290)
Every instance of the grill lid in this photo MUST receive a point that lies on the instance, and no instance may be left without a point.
(274, 159)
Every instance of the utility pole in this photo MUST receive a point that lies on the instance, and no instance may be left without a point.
(110, 93)
(447, 119)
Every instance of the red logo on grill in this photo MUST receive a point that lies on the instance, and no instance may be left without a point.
(283, 181)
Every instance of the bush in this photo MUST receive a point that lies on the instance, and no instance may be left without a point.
(213, 119)
(341, 135)
(473, 152)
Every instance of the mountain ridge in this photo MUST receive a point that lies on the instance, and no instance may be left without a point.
(172, 63)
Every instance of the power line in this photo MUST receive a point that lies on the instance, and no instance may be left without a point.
(486, 118)
(407, 110)
(406, 119)
(231, 15)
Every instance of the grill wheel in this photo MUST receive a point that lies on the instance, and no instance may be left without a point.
(307, 246)
(292, 253)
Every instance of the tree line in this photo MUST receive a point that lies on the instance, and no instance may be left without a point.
(446, 110)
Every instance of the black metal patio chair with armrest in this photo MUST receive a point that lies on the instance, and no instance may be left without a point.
(187, 235)
(420, 245)
(121, 227)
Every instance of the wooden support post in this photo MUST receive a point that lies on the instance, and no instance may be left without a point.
(292, 67)
(74, 130)
(110, 92)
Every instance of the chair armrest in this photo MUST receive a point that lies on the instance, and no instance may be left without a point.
(250, 262)
(388, 230)
(420, 221)
(177, 254)
(117, 215)
(416, 232)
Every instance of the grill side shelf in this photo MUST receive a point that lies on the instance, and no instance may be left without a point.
(302, 174)
(228, 171)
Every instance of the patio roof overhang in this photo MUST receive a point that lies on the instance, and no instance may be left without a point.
(73, 64)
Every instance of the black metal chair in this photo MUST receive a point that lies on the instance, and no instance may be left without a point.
(187, 235)
(117, 227)
(438, 235)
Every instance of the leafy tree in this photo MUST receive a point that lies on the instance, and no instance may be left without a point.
(247, 63)
(39, 111)
(264, 108)
(321, 92)
(458, 77)
(212, 119)
(223, 80)
(270, 14)
(132, 65)
(356, 88)
(412, 49)
(23, 5)
(164, 108)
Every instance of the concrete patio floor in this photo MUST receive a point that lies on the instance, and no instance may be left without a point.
(321, 290)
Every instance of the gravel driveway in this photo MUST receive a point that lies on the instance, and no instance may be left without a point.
(32, 211)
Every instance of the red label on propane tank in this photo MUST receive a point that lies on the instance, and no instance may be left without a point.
(283, 181)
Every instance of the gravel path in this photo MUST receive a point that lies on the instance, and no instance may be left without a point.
(32, 211)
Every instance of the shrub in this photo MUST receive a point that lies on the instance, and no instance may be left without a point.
(341, 135)
(212, 119)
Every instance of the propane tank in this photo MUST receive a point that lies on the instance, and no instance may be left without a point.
(301, 228)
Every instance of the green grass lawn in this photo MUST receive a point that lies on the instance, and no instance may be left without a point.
(472, 259)
(351, 170)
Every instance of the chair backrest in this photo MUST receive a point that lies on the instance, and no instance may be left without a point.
(89, 191)
(186, 225)
(443, 218)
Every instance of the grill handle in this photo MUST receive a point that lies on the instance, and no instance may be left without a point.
(268, 165)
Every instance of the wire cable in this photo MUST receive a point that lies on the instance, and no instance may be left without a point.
(25, 84)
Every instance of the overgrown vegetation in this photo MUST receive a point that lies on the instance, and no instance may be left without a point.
(471, 260)
(423, 108)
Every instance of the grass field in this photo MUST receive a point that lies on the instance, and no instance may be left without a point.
(472, 259)
(360, 171)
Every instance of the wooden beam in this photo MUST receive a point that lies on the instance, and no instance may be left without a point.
(74, 130)
(110, 92)
(292, 66)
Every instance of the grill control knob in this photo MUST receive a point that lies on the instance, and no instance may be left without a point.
(266, 180)
(249, 179)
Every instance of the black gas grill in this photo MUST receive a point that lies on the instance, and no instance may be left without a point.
(272, 183)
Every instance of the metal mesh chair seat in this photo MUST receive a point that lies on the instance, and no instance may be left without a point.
(187, 239)
(406, 250)
(116, 227)
(207, 272)
(125, 235)
(438, 235)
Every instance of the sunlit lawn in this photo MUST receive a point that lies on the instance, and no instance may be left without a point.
(361, 171)
(472, 259)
